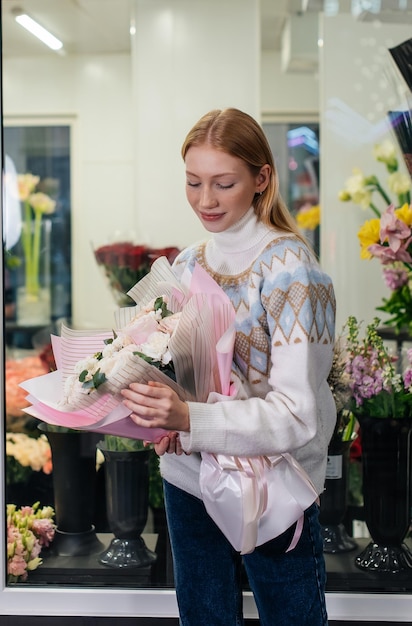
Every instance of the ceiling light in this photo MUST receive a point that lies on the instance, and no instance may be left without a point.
(38, 31)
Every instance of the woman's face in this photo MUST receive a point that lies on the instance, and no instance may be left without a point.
(220, 187)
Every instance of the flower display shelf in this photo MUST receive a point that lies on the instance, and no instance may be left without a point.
(342, 574)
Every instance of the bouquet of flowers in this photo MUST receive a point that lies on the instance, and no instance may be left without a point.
(26, 455)
(377, 389)
(388, 236)
(29, 529)
(179, 334)
(125, 263)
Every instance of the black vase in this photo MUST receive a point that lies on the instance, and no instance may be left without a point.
(387, 464)
(127, 502)
(333, 501)
(74, 486)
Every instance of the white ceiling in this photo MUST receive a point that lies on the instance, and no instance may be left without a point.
(102, 26)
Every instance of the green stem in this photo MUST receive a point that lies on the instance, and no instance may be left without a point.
(375, 209)
(404, 198)
(383, 194)
(36, 251)
(31, 240)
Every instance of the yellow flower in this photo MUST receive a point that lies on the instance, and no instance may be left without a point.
(404, 213)
(34, 563)
(344, 196)
(308, 218)
(26, 184)
(42, 203)
(368, 234)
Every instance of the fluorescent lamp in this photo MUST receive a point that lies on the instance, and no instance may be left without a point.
(38, 31)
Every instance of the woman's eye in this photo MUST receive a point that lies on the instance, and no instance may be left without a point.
(189, 184)
(225, 186)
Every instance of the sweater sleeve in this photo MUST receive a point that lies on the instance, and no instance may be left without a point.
(281, 409)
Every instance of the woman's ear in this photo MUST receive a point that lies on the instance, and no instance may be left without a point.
(262, 179)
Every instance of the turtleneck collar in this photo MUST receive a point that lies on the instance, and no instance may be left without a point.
(242, 236)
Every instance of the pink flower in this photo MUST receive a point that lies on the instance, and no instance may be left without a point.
(44, 529)
(17, 567)
(395, 277)
(393, 229)
(388, 255)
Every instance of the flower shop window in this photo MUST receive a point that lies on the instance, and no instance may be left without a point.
(37, 230)
(295, 146)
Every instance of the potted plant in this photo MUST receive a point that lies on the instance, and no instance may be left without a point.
(381, 400)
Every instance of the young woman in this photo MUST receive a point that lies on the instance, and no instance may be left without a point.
(285, 317)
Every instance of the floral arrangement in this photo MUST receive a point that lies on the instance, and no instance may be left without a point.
(198, 340)
(376, 387)
(29, 529)
(308, 216)
(147, 336)
(388, 236)
(26, 455)
(125, 263)
(35, 205)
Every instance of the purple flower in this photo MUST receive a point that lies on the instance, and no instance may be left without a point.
(407, 378)
(395, 277)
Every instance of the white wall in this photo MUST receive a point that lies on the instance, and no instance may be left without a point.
(199, 62)
(287, 93)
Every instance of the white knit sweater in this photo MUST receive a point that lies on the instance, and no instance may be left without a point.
(285, 324)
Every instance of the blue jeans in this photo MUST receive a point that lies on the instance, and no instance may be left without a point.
(289, 588)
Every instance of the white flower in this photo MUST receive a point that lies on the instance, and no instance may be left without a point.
(356, 182)
(115, 346)
(147, 335)
(385, 151)
(90, 364)
(355, 186)
(156, 346)
(399, 183)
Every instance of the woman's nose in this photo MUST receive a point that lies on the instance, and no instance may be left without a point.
(207, 197)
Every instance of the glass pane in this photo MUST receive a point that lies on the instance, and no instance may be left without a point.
(296, 151)
(38, 238)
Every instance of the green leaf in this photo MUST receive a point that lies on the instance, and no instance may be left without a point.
(83, 375)
(97, 379)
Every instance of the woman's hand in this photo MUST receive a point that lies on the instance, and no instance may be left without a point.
(170, 444)
(156, 406)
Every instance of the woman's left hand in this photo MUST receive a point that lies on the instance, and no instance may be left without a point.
(156, 406)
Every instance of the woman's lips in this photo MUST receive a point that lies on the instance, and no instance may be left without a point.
(211, 217)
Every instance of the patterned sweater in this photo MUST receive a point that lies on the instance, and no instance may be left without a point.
(285, 324)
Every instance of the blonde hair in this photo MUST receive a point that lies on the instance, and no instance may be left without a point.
(238, 134)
